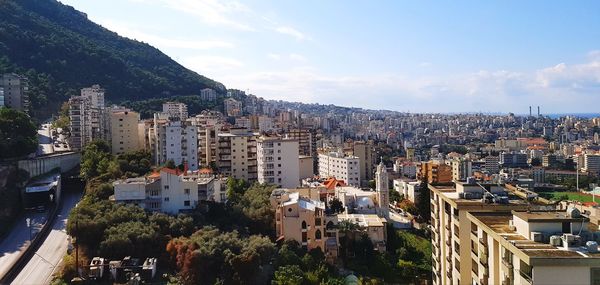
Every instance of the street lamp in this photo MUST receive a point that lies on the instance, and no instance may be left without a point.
(28, 220)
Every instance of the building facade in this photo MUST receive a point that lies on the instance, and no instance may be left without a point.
(335, 164)
(124, 130)
(15, 89)
(278, 161)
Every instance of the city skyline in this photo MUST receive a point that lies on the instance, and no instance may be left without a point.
(397, 56)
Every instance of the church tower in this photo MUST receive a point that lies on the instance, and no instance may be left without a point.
(382, 189)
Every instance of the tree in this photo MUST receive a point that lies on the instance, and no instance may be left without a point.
(95, 160)
(423, 202)
(18, 134)
(336, 206)
(289, 275)
(395, 196)
(170, 164)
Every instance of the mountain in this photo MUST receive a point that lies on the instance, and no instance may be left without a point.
(60, 50)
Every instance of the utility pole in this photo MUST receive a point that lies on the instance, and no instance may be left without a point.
(77, 248)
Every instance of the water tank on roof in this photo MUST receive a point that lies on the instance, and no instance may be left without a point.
(555, 241)
(592, 246)
(364, 203)
(573, 212)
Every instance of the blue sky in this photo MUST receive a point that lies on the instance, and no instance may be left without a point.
(418, 56)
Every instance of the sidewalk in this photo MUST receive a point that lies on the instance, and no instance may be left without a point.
(18, 239)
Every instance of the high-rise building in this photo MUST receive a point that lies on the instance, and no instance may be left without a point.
(452, 236)
(208, 94)
(89, 119)
(209, 124)
(95, 94)
(461, 169)
(176, 141)
(236, 154)
(492, 164)
(175, 111)
(513, 159)
(592, 163)
(15, 88)
(364, 152)
(278, 161)
(336, 164)
(124, 129)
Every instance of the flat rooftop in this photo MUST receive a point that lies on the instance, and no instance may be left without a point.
(547, 216)
(363, 220)
(449, 192)
(499, 223)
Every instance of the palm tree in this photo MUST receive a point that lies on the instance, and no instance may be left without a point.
(348, 229)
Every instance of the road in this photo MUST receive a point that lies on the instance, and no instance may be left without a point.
(42, 265)
(18, 239)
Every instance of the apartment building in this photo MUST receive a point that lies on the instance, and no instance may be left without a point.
(435, 172)
(592, 163)
(513, 159)
(408, 187)
(364, 152)
(236, 154)
(461, 169)
(170, 190)
(278, 161)
(124, 130)
(232, 107)
(15, 89)
(336, 164)
(306, 167)
(95, 93)
(492, 164)
(532, 247)
(176, 141)
(175, 111)
(451, 234)
(208, 94)
(209, 124)
(306, 141)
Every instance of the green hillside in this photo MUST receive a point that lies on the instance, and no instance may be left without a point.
(61, 51)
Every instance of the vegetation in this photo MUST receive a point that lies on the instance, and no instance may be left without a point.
(423, 202)
(18, 134)
(98, 162)
(60, 50)
(571, 183)
(572, 196)
(210, 255)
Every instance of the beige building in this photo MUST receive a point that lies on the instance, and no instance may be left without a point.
(364, 152)
(492, 237)
(15, 89)
(124, 129)
(278, 161)
(306, 166)
(236, 154)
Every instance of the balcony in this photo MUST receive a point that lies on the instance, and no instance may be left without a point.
(526, 276)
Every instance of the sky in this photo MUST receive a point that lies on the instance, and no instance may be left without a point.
(416, 56)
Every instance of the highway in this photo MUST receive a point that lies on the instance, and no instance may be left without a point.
(18, 239)
(42, 265)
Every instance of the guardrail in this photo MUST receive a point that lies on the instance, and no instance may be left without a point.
(35, 244)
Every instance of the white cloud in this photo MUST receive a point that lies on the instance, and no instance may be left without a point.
(286, 30)
(274, 56)
(208, 64)
(222, 13)
(559, 88)
(297, 57)
(126, 30)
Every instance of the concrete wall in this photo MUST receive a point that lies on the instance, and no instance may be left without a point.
(543, 275)
(41, 165)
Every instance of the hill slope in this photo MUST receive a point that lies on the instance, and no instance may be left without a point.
(61, 51)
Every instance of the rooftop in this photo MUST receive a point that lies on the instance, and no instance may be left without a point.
(547, 216)
(363, 220)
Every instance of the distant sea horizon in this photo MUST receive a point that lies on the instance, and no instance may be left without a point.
(580, 115)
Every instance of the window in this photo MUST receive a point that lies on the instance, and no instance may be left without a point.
(318, 235)
(303, 225)
(186, 203)
(166, 199)
(186, 191)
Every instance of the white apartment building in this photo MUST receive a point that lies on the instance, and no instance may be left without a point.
(95, 94)
(408, 187)
(175, 111)
(461, 169)
(236, 154)
(336, 164)
(170, 191)
(88, 117)
(124, 130)
(208, 94)
(592, 163)
(278, 161)
(176, 141)
(209, 124)
(14, 92)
